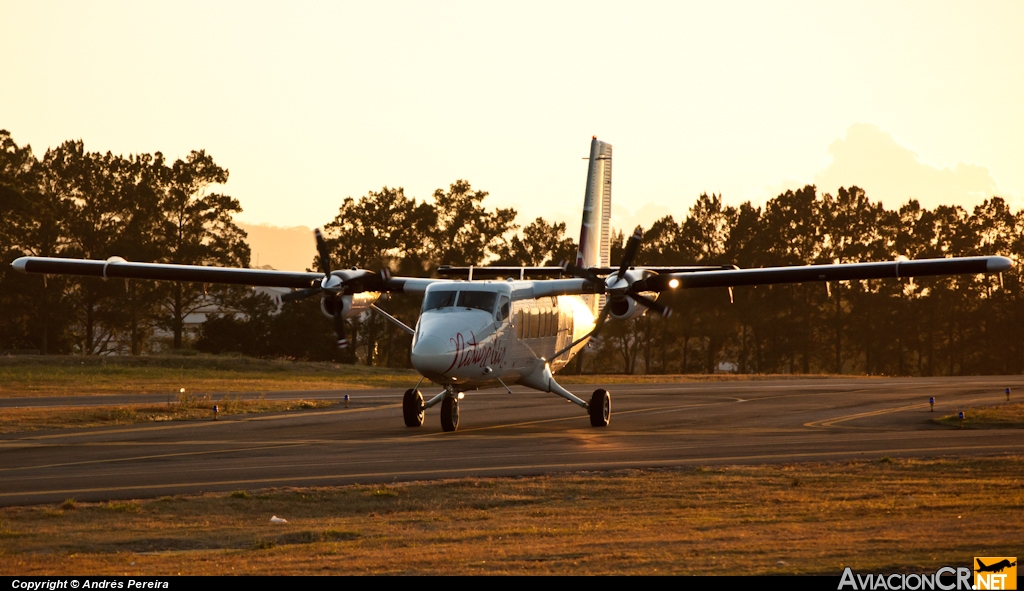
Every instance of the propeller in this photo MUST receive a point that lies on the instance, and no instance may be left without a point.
(616, 287)
(334, 285)
(331, 286)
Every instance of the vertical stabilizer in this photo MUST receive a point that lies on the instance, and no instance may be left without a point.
(595, 232)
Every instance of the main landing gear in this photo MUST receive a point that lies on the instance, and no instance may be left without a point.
(414, 408)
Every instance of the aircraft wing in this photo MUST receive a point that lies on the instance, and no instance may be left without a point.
(118, 268)
(723, 277)
(838, 272)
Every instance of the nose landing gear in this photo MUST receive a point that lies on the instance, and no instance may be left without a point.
(450, 413)
(412, 408)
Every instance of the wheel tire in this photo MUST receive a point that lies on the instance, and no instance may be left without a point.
(412, 408)
(600, 408)
(450, 413)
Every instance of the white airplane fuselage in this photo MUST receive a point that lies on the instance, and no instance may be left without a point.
(474, 335)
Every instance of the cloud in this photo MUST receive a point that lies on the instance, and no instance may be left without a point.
(871, 159)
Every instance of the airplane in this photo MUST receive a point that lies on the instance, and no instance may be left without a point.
(488, 327)
(994, 568)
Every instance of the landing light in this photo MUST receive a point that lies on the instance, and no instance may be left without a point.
(673, 283)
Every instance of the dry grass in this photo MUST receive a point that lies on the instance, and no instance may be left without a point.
(184, 408)
(1008, 415)
(906, 515)
(83, 376)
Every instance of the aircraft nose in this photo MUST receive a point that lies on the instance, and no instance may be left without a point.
(432, 356)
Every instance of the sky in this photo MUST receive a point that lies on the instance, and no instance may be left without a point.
(307, 103)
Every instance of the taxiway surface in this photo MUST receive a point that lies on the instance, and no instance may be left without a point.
(502, 434)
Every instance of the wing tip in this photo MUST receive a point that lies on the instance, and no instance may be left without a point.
(993, 265)
(20, 264)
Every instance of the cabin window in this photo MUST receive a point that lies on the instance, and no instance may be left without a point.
(479, 300)
(439, 299)
(534, 323)
(520, 323)
(503, 308)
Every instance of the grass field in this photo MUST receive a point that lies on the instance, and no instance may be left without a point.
(182, 408)
(1008, 415)
(880, 516)
(85, 376)
(29, 376)
(888, 515)
(210, 379)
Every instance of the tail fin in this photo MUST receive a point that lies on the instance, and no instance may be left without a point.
(594, 249)
(595, 232)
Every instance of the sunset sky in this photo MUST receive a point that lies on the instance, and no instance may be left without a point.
(307, 103)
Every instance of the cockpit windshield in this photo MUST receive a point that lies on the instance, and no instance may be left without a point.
(479, 300)
(439, 299)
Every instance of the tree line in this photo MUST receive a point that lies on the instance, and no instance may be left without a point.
(74, 203)
(78, 204)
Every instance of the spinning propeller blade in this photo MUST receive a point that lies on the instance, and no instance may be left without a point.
(632, 292)
(324, 252)
(632, 245)
(339, 329)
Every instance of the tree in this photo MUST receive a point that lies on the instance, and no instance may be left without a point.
(196, 229)
(540, 244)
(464, 233)
(245, 329)
(28, 224)
(384, 229)
(36, 208)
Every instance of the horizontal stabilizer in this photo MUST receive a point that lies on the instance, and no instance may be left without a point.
(683, 269)
(503, 272)
(491, 272)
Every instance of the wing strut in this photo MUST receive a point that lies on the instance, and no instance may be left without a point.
(394, 320)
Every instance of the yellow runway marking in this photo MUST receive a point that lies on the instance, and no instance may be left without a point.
(873, 413)
(150, 457)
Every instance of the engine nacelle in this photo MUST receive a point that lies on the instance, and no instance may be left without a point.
(351, 306)
(624, 308)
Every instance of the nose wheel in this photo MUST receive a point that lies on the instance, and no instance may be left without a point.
(600, 408)
(412, 408)
(450, 413)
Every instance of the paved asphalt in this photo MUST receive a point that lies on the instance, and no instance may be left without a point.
(527, 432)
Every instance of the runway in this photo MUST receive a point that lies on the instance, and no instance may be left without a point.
(502, 434)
